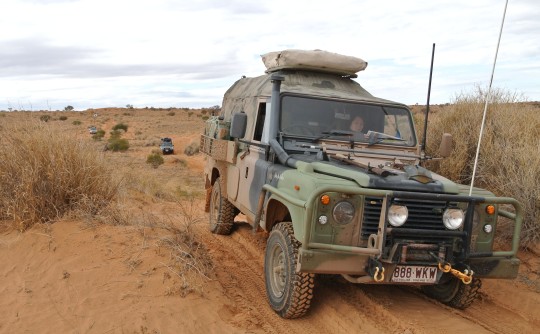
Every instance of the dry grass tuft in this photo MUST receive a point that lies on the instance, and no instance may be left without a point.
(188, 258)
(44, 174)
(509, 162)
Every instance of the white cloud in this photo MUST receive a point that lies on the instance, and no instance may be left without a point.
(171, 53)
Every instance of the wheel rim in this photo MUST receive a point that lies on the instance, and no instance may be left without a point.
(278, 271)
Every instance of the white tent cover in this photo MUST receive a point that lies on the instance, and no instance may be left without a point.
(315, 60)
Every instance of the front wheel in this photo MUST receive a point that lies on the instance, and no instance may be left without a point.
(289, 292)
(222, 211)
(453, 292)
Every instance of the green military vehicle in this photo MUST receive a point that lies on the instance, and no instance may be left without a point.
(335, 176)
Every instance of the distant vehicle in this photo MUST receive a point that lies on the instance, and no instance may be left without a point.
(166, 146)
(92, 130)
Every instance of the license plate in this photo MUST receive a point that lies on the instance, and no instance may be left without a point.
(415, 274)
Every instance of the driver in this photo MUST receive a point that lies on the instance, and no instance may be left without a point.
(357, 127)
(357, 124)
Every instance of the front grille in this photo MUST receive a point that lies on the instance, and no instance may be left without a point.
(423, 214)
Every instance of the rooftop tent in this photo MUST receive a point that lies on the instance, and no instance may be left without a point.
(315, 60)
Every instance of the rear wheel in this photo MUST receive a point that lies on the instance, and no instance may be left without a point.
(453, 292)
(222, 212)
(289, 292)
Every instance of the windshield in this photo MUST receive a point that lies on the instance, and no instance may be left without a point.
(345, 120)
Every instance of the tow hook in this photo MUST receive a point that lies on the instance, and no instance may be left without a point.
(376, 270)
(466, 276)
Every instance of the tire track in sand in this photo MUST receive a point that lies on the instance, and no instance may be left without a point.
(339, 306)
(239, 273)
(239, 260)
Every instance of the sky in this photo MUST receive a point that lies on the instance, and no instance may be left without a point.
(173, 53)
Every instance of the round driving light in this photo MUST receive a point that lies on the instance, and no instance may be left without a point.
(397, 215)
(453, 218)
(323, 220)
(325, 199)
(490, 209)
(488, 228)
(343, 212)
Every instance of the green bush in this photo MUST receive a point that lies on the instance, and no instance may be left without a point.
(118, 144)
(155, 159)
(120, 126)
(99, 134)
(115, 134)
(76, 123)
(192, 149)
(62, 118)
(44, 118)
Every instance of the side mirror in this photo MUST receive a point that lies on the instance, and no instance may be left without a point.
(238, 125)
(446, 145)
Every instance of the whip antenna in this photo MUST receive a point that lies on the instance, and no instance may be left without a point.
(428, 96)
(488, 96)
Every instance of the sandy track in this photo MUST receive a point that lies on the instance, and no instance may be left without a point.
(340, 307)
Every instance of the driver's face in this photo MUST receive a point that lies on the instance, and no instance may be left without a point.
(357, 124)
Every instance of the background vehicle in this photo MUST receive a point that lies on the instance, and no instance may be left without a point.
(92, 130)
(166, 146)
(335, 201)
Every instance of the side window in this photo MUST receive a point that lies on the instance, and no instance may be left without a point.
(259, 126)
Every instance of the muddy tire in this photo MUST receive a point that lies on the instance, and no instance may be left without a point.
(289, 292)
(453, 292)
(222, 212)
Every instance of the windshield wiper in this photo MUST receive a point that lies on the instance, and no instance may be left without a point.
(333, 133)
(378, 137)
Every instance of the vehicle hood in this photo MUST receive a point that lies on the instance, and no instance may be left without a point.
(400, 177)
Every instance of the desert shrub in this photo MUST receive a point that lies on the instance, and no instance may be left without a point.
(191, 149)
(118, 144)
(44, 175)
(62, 118)
(76, 123)
(179, 161)
(99, 134)
(509, 161)
(155, 159)
(205, 117)
(171, 113)
(190, 113)
(44, 118)
(115, 134)
(120, 126)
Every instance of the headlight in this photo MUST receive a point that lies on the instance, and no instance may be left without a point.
(397, 215)
(343, 212)
(453, 218)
